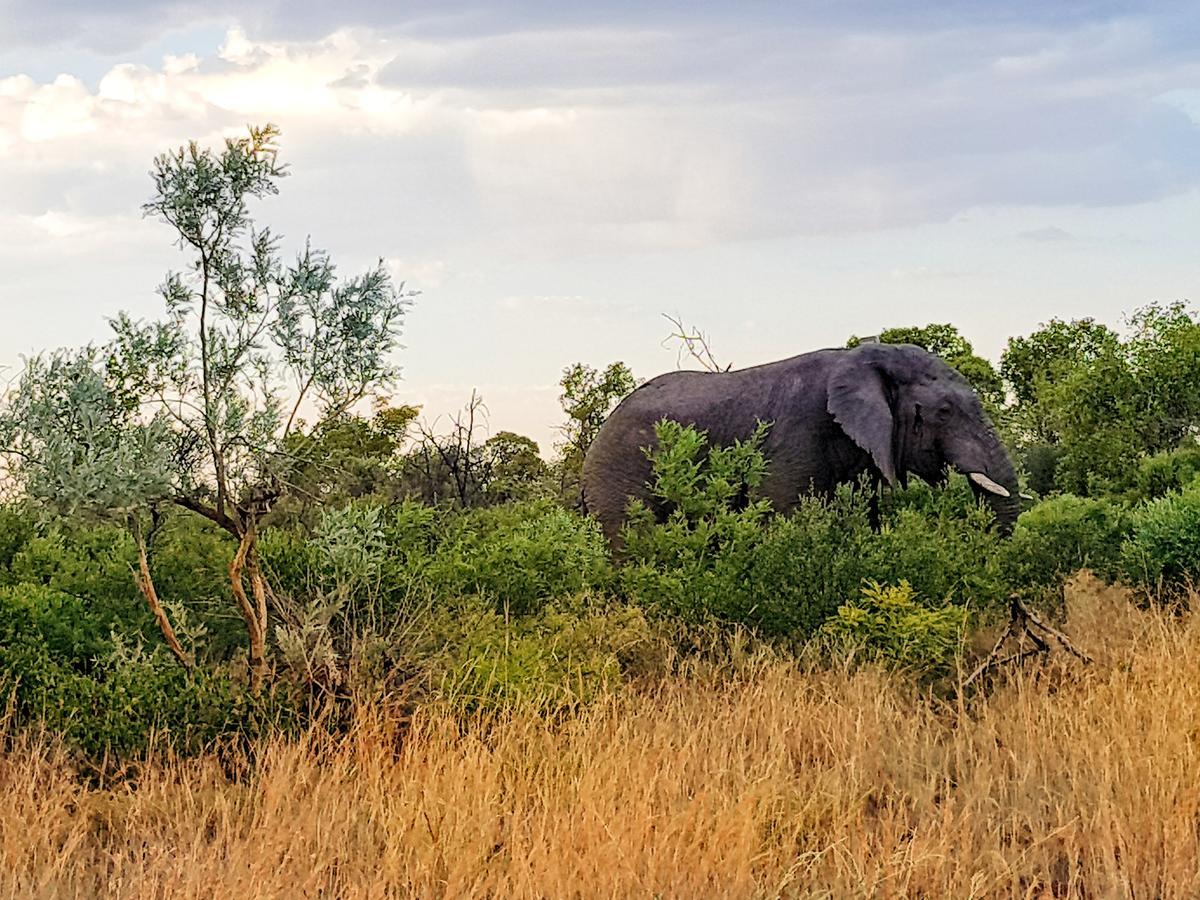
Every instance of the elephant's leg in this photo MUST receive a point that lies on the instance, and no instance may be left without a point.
(874, 514)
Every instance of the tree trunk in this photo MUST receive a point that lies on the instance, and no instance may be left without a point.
(145, 584)
(255, 614)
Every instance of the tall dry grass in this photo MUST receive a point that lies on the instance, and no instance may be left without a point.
(757, 780)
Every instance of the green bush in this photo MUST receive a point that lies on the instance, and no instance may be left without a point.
(941, 541)
(890, 625)
(39, 624)
(719, 553)
(801, 568)
(1060, 536)
(128, 707)
(1165, 473)
(1162, 555)
(190, 559)
(519, 556)
(17, 527)
(109, 698)
(1040, 462)
(84, 560)
(570, 651)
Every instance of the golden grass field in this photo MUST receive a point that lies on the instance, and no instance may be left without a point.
(758, 779)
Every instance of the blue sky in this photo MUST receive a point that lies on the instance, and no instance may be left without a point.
(554, 177)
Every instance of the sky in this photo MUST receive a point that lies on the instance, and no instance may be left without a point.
(554, 177)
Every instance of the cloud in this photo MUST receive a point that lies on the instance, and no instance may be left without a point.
(1049, 234)
(417, 274)
(573, 307)
(124, 25)
(568, 139)
(517, 160)
(926, 273)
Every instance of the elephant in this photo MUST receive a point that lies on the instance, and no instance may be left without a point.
(880, 410)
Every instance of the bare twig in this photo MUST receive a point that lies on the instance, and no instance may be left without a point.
(1024, 624)
(458, 454)
(694, 343)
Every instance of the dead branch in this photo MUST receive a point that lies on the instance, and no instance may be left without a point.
(1025, 624)
(694, 343)
(457, 454)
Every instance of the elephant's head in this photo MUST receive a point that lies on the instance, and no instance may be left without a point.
(914, 414)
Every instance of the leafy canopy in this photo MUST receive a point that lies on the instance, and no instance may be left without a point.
(198, 407)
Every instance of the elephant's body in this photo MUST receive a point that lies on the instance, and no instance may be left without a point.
(815, 441)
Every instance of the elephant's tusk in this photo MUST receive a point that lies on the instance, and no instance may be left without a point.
(1025, 496)
(988, 485)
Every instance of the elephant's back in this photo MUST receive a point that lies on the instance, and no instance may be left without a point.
(727, 405)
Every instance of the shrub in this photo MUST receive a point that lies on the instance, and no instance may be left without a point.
(39, 624)
(107, 698)
(129, 706)
(189, 558)
(719, 553)
(344, 589)
(361, 549)
(1162, 555)
(519, 556)
(1060, 536)
(411, 533)
(890, 625)
(570, 651)
(941, 541)
(92, 561)
(1165, 473)
(17, 526)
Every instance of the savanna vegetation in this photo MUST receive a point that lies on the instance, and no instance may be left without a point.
(264, 629)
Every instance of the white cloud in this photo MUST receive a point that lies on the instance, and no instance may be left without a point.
(925, 273)
(58, 224)
(718, 136)
(417, 274)
(62, 109)
(1047, 234)
(238, 49)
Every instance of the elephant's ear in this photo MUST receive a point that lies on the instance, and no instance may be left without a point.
(858, 401)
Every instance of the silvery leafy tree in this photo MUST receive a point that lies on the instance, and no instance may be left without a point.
(219, 389)
(76, 447)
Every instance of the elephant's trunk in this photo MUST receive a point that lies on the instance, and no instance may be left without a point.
(1005, 509)
(993, 479)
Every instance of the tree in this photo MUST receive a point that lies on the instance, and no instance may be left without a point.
(210, 378)
(1033, 365)
(1163, 352)
(516, 469)
(343, 458)
(464, 469)
(75, 446)
(588, 396)
(1101, 400)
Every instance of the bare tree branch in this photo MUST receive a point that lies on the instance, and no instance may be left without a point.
(693, 343)
(1024, 624)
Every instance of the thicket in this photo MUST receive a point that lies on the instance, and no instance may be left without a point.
(186, 559)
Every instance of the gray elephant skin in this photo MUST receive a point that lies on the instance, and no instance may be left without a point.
(881, 410)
